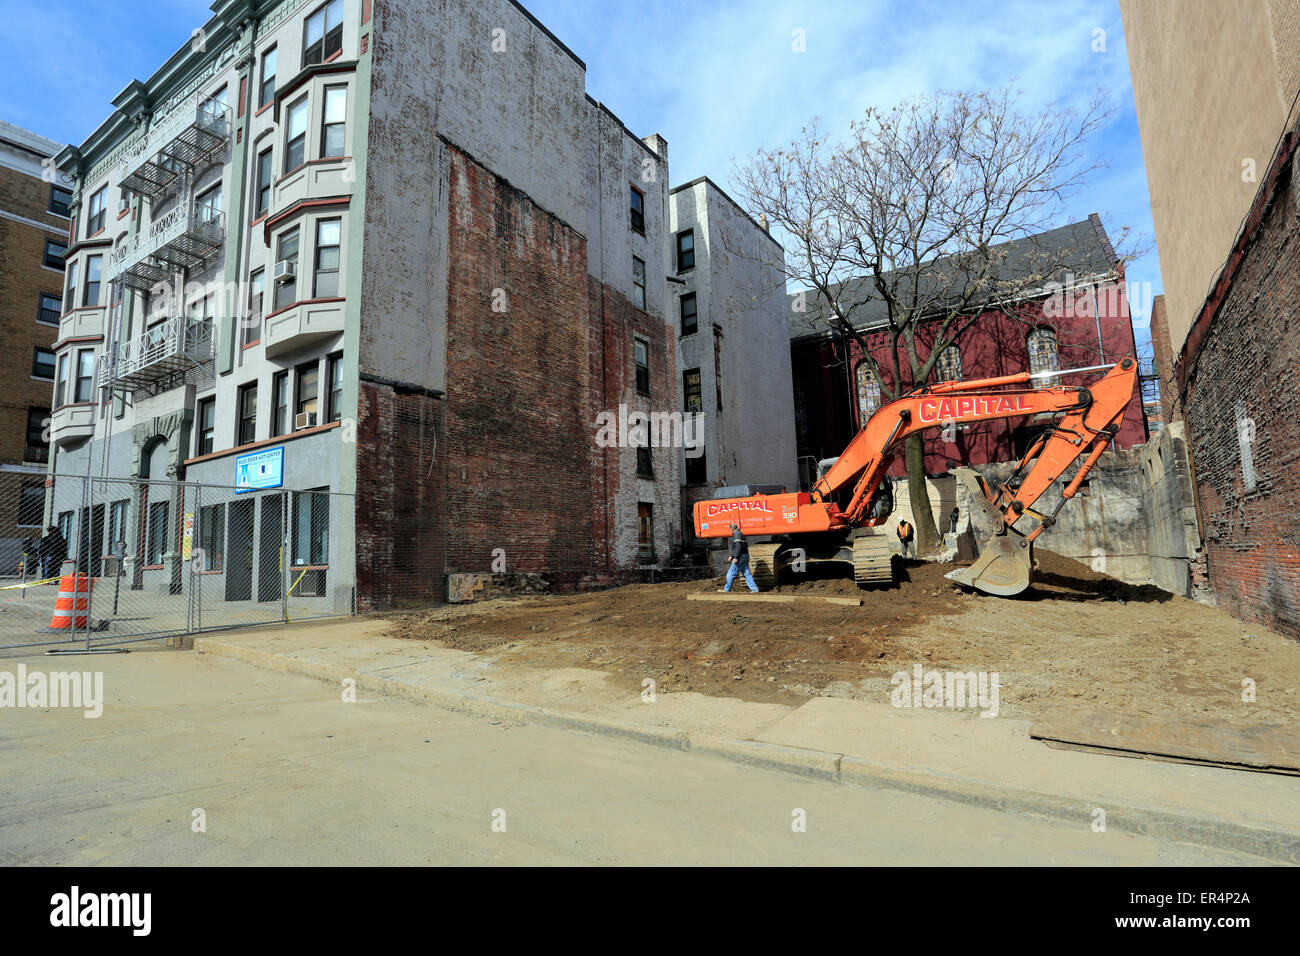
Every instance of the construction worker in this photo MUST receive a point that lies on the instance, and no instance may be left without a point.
(953, 518)
(907, 536)
(739, 560)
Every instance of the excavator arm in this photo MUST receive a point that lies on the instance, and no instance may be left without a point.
(1085, 420)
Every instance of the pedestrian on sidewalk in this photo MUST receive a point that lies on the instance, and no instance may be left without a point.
(739, 560)
(53, 551)
(907, 536)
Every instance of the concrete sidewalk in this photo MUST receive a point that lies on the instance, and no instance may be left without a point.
(989, 763)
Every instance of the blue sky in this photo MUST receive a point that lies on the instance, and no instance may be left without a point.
(718, 80)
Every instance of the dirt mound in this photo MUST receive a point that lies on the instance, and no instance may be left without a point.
(1054, 573)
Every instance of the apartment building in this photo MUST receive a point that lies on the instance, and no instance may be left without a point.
(391, 259)
(727, 275)
(34, 218)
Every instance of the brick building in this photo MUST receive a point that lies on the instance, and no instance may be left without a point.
(34, 219)
(397, 251)
(1216, 88)
(1080, 319)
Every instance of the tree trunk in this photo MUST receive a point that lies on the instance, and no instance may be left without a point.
(927, 535)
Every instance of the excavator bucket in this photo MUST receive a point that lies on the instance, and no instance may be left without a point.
(1004, 567)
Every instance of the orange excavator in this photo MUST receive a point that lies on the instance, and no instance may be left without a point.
(832, 523)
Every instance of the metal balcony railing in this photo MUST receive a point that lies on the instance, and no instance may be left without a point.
(190, 135)
(173, 345)
(188, 237)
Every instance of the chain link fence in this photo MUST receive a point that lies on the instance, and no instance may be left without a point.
(112, 560)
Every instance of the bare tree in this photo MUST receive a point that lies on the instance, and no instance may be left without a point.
(902, 222)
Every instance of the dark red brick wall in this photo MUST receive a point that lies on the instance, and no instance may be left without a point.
(1164, 356)
(400, 523)
(994, 345)
(1252, 538)
(519, 398)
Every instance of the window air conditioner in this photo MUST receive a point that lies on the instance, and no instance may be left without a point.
(284, 270)
(304, 420)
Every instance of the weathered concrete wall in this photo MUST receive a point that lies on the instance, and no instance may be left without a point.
(1177, 558)
(1136, 521)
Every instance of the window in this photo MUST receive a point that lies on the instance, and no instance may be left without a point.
(286, 288)
(279, 404)
(267, 89)
(85, 375)
(207, 416)
(70, 288)
(215, 105)
(325, 283)
(644, 466)
(208, 205)
(252, 331)
(322, 36)
(334, 121)
(717, 369)
(43, 363)
(31, 504)
(50, 310)
(117, 523)
(697, 473)
(311, 524)
(94, 273)
(65, 525)
(54, 253)
(295, 143)
(37, 446)
(642, 351)
(1043, 356)
(247, 414)
(638, 283)
(61, 381)
(305, 384)
(157, 533)
(335, 380)
(263, 182)
(96, 211)
(686, 250)
(638, 210)
(693, 389)
(690, 321)
(645, 529)
(212, 536)
(948, 368)
(868, 394)
(60, 200)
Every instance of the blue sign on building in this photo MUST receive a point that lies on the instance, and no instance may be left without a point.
(260, 469)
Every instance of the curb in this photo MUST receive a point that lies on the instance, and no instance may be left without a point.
(1280, 846)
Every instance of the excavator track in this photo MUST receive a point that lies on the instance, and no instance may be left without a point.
(763, 564)
(872, 560)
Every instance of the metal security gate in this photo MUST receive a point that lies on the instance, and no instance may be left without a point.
(134, 559)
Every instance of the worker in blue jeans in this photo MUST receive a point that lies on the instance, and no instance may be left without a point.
(739, 560)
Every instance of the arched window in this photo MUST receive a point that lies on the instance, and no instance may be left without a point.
(948, 368)
(868, 393)
(1043, 356)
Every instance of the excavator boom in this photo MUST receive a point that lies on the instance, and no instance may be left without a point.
(1086, 421)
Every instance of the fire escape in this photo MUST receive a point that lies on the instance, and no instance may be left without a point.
(187, 237)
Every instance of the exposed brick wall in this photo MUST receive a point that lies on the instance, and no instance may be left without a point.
(519, 400)
(400, 523)
(1252, 537)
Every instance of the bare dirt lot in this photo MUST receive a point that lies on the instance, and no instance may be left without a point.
(1074, 636)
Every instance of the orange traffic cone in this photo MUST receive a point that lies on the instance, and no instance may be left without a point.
(70, 606)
